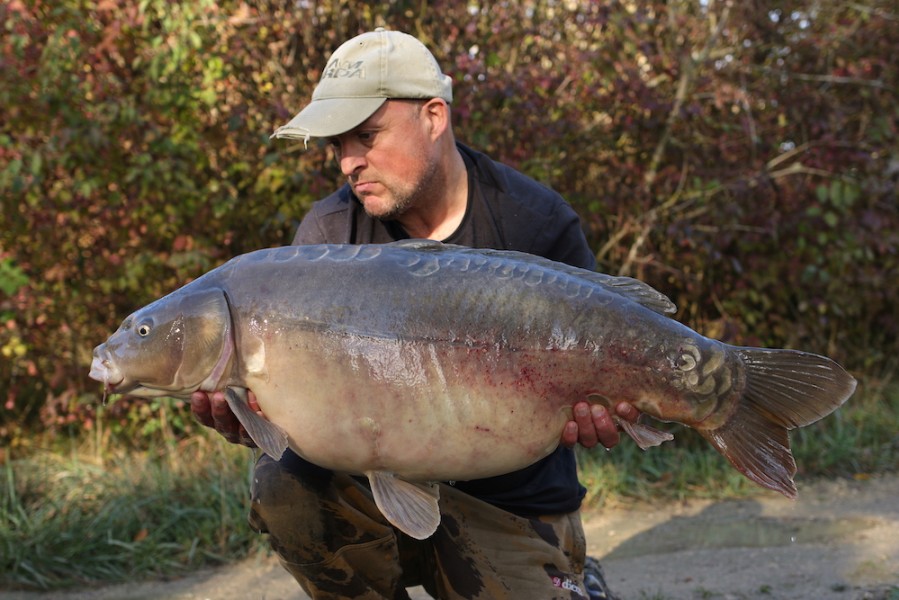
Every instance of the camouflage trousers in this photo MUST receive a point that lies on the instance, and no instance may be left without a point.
(330, 536)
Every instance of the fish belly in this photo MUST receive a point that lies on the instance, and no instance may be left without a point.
(422, 410)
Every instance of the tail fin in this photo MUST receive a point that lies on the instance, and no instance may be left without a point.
(785, 389)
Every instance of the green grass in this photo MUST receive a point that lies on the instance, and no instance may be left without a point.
(77, 516)
(107, 508)
(860, 439)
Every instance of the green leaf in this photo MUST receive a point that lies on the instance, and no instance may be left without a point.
(12, 277)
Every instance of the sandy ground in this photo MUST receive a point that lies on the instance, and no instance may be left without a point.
(839, 541)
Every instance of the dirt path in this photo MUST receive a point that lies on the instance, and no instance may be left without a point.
(839, 541)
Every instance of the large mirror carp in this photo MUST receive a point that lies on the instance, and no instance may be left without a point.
(418, 362)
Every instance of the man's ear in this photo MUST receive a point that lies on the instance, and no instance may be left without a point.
(437, 113)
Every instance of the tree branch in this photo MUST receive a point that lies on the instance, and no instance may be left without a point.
(688, 69)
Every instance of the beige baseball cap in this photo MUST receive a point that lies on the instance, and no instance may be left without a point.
(360, 76)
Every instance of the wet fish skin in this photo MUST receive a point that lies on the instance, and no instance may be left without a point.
(417, 362)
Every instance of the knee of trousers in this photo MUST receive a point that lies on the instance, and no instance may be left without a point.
(310, 513)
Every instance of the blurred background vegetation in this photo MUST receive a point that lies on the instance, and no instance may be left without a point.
(742, 160)
(739, 158)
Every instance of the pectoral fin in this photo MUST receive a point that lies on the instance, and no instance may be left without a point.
(644, 435)
(410, 507)
(268, 436)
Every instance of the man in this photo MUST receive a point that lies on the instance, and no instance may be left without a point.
(383, 104)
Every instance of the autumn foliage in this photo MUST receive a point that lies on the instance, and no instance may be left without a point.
(743, 160)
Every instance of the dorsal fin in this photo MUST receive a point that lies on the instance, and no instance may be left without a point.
(632, 289)
(626, 287)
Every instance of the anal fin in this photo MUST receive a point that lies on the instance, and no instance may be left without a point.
(645, 436)
(410, 507)
(268, 436)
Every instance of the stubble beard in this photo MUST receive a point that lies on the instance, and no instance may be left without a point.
(404, 200)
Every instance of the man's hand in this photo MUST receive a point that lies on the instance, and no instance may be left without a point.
(592, 425)
(212, 410)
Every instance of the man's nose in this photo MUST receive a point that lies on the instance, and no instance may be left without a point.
(351, 165)
(352, 159)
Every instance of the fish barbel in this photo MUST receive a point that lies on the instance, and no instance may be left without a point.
(417, 362)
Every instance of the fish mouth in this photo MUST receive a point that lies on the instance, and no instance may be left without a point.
(103, 369)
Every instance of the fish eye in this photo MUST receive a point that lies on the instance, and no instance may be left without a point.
(143, 330)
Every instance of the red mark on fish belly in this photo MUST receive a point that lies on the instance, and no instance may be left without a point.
(481, 428)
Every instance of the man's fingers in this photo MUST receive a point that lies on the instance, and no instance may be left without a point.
(569, 434)
(627, 412)
(201, 407)
(252, 402)
(212, 410)
(587, 434)
(593, 424)
(224, 420)
(606, 428)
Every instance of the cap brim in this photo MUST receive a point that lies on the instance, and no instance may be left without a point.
(329, 117)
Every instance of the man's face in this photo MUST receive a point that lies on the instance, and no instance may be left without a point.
(389, 159)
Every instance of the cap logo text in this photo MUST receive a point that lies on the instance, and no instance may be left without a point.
(343, 70)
